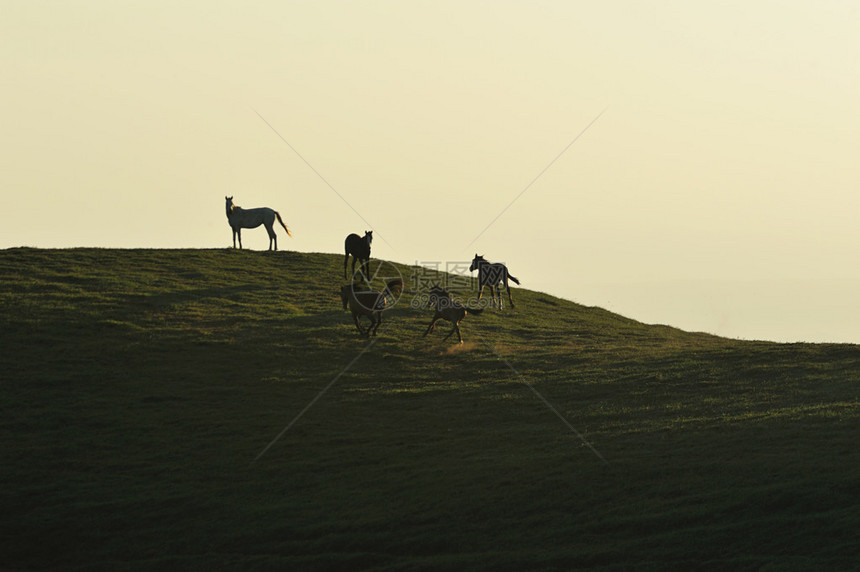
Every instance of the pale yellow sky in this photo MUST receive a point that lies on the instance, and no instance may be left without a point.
(726, 153)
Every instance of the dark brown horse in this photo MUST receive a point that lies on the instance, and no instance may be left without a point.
(370, 303)
(359, 248)
(448, 309)
(492, 274)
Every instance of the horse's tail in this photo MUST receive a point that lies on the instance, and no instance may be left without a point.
(394, 288)
(511, 276)
(277, 214)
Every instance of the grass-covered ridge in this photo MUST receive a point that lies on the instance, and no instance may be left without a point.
(139, 385)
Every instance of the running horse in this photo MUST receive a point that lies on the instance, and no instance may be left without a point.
(369, 303)
(492, 274)
(240, 218)
(448, 309)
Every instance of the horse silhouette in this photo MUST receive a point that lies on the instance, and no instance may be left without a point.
(448, 309)
(359, 248)
(370, 303)
(240, 218)
(491, 274)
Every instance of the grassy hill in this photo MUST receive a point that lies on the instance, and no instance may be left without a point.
(139, 386)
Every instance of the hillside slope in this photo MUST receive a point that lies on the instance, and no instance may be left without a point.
(203, 409)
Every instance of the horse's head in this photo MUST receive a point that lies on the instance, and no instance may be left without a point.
(476, 263)
(368, 236)
(229, 205)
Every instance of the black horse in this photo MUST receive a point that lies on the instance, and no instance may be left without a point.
(360, 249)
(492, 274)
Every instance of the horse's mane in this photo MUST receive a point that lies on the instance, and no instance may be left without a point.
(233, 208)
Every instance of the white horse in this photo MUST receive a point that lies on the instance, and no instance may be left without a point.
(240, 218)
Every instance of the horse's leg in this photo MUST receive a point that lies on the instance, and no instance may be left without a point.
(234, 238)
(431, 326)
(357, 319)
(378, 322)
(273, 238)
(239, 234)
(456, 328)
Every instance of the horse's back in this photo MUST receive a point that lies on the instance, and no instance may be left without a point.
(367, 301)
(493, 273)
(251, 218)
(350, 242)
(356, 246)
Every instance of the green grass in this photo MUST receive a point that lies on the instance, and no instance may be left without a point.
(138, 386)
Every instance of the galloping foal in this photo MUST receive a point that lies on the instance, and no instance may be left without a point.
(369, 303)
(448, 309)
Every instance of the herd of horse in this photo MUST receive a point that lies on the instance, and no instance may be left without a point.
(362, 300)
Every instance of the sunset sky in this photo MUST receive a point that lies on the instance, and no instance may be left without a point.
(689, 163)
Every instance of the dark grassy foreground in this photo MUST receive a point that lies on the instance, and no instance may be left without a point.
(138, 387)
